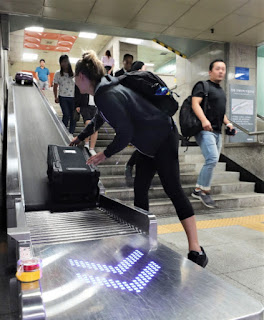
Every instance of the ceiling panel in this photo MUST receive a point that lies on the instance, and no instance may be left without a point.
(235, 24)
(74, 14)
(148, 19)
(114, 12)
(160, 12)
(33, 7)
(216, 37)
(85, 5)
(151, 27)
(181, 32)
(253, 36)
(226, 6)
(254, 8)
(199, 19)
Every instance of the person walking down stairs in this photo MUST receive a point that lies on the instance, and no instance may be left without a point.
(210, 138)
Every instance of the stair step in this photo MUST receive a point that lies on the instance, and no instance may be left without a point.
(157, 192)
(186, 178)
(127, 151)
(223, 201)
(188, 158)
(118, 169)
(119, 158)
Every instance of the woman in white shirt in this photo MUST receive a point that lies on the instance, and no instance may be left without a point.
(108, 62)
(64, 79)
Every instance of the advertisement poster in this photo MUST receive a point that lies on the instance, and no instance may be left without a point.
(242, 111)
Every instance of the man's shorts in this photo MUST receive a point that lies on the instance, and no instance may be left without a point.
(43, 85)
(88, 112)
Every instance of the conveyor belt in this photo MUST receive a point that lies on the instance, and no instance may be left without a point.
(36, 130)
(65, 227)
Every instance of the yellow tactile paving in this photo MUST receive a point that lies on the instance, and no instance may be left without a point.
(251, 222)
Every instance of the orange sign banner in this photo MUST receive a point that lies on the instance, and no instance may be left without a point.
(41, 40)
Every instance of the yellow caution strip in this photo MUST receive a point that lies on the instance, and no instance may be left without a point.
(170, 48)
(251, 222)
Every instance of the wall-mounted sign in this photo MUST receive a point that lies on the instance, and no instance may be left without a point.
(241, 73)
(243, 111)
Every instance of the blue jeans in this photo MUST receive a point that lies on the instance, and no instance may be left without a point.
(67, 108)
(210, 144)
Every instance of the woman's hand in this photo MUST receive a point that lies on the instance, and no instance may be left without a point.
(109, 71)
(100, 157)
(57, 100)
(206, 124)
(78, 109)
(75, 141)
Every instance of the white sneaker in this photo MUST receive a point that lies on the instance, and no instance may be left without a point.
(92, 152)
(86, 145)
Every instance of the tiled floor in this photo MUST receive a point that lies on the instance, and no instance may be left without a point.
(235, 251)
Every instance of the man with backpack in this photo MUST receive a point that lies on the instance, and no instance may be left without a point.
(209, 138)
(139, 121)
(127, 63)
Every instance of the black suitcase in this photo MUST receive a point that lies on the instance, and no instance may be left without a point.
(72, 181)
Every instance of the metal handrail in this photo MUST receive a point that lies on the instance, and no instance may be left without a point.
(253, 133)
(260, 117)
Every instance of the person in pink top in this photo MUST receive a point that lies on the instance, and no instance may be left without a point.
(108, 62)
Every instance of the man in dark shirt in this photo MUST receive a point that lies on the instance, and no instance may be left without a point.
(210, 139)
(127, 63)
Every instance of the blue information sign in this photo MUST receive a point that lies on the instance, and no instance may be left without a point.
(241, 73)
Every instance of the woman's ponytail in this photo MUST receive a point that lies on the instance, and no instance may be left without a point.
(90, 66)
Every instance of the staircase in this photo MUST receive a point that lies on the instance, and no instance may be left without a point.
(227, 190)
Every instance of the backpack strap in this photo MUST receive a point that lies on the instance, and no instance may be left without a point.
(206, 93)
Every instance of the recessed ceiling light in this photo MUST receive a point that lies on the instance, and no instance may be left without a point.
(149, 64)
(74, 60)
(134, 40)
(29, 56)
(36, 29)
(87, 35)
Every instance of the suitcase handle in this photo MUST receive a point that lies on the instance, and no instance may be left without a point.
(76, 169)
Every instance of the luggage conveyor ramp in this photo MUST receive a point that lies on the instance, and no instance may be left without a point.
(121, 276)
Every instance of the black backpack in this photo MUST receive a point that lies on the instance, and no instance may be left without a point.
(148, 85)
(189, 123)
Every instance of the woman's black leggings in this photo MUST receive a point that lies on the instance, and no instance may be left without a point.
(133, 159)
(166, 163)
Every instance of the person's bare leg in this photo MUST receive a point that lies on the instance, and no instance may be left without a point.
(190, 228)
(86, 141)
(93, 140)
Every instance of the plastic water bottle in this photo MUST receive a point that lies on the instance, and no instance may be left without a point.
(162, 91)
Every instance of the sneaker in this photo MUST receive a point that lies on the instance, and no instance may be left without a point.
(196, 194)
(199, 258)
(207, 200)
(86, 145)
(92, 152)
